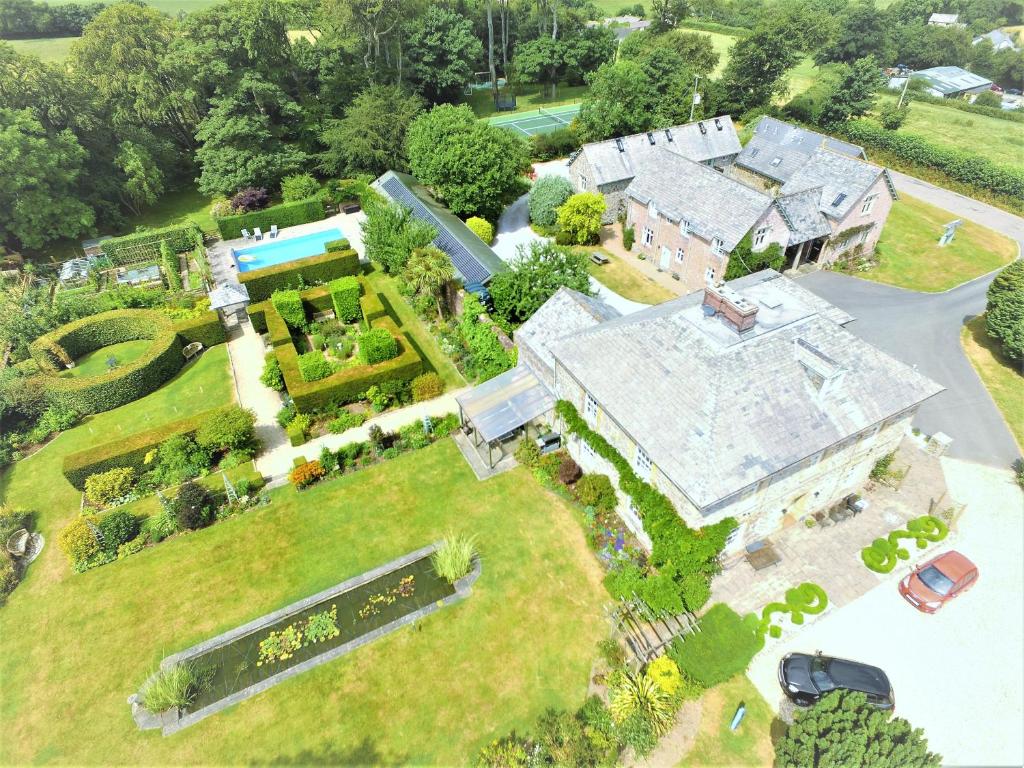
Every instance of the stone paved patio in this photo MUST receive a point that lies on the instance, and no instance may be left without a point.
(830, 556)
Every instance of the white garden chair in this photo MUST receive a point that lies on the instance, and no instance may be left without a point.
(245, 234)
(258, 233)
(273, 231)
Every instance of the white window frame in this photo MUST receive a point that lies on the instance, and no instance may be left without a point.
(652, 210)
(642, 464)
(869, 203)
(648, 237)
(718, 246)
(583, 181)
(760, 235)
(680, 255)
(684, 228)
(863, 236)
(590, 408)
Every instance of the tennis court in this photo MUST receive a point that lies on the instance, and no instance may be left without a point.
(539, 120)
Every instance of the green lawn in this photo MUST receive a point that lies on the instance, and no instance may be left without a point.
(1001, 141)
(721, 43)
(411, 325)
(1001, 378)
(909, 255)
(171, 7)
(36, 483)
(46, 48)
(530, 97)
(717, 744)
(94, 363)
(629, 283)
(73, 647)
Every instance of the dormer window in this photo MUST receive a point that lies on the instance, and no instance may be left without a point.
(869, 203)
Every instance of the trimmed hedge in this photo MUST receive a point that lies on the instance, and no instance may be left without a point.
(377, 345)
(179, 237)
(313, 366)
(206, 329)
(351, 382)
(284, 215)
(258, 315)
(278, 330)
(128, 451)
(965, 167)
(723, 648)
(318, 299)
(372, 307)
(313, 270)
(344, 293)
(122, 385)
(288, 304)
(336, 246)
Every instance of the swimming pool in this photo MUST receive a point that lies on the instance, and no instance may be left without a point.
(280, 251)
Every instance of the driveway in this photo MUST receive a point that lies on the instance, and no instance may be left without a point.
(956, 674)
(514, 233)
(923, 330)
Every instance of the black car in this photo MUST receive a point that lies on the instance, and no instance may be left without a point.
(806, 678)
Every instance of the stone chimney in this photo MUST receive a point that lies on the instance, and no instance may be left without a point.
(737, 312)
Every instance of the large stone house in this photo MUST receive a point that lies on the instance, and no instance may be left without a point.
(609, 166)
(748, 399)
(689, 219)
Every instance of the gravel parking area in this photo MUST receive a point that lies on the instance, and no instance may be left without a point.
(958, 674)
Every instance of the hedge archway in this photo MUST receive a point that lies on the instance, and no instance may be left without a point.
(112, 389)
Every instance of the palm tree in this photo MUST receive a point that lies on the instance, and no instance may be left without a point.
(428, 270)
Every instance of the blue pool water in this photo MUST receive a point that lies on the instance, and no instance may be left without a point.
(276, 252)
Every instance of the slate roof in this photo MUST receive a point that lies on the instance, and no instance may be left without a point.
(473, 259)
(779, 149)
(800, 211)
(714, 204)
(951, 81)
(608, 164)
(998, 38)
(717, 412)
(565, 313)
(228, 295)
(842, 180)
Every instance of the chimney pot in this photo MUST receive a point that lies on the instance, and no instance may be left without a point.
(737, 312)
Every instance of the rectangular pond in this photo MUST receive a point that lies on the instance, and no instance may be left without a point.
(360, 610)
(280, 251)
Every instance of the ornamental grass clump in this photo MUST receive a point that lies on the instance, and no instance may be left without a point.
(454, 558)
(178, 686)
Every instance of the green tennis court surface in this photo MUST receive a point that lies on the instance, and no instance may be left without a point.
(538, 121)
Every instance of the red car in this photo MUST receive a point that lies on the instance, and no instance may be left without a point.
(939, 580)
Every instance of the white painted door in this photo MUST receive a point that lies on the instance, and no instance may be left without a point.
(666, 256)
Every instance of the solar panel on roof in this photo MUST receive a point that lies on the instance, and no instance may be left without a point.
(463, 260)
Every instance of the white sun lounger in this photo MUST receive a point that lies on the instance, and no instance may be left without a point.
(273, 231)
(245, 234)
(258, 233)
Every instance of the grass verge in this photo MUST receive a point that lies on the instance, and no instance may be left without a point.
(1002, 380)
(909, 255)
(717, 744)
(95, 363)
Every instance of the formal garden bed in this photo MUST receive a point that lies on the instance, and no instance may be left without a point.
(236, 665)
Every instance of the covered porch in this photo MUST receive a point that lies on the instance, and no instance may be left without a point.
(497, 415)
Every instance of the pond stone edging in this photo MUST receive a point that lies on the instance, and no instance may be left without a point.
(172, 721)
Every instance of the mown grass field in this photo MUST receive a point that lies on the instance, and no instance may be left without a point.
(629, 283)
(1001, 378)
(73, 647)
(909, 255)
(95, 363)
(46, 48)
(717, 744)
(1001, 141)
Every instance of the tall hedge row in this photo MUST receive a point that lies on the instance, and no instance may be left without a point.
(128, 451)
(179, 238)
(345, 297)
(961, 166)
(206, 329)
(313, 270)
(284, 215)
(122, 385)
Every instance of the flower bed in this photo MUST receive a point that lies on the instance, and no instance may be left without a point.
(248, 660)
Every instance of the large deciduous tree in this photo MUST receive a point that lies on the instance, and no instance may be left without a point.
(843, 729)
(391, 234)
(853, 92)
(39, 171)
(475, 168)
(620, 101)
(1004, 314)
(370, 138)
(442, 51)
(537, 272)
(756, 72)
(862, 31)
(540, 60)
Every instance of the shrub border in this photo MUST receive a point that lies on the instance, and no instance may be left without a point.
(322, 268)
